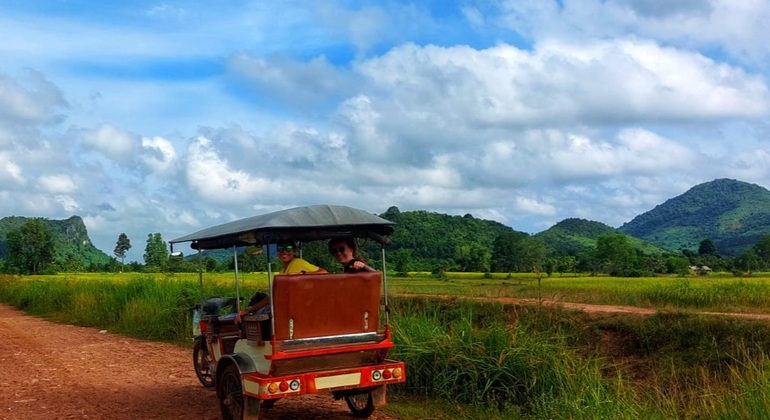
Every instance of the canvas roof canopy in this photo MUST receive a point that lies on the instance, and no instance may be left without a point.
(303, 224)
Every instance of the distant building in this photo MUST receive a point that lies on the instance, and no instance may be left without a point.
(700, 270)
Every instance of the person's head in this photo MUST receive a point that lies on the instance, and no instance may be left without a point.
(287, 250)
(343, 249)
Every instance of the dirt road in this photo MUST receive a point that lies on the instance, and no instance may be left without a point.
(55, 371)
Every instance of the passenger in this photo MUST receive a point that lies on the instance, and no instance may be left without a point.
(290, 264)
(344, 250)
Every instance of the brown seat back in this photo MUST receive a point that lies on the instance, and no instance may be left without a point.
(323, 305)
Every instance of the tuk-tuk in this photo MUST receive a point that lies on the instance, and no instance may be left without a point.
(325, 333)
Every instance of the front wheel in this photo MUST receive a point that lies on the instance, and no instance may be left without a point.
(361, 405)
(202, 363)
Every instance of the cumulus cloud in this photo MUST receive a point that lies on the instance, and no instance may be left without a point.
(158, 154)
(10, 171)
(636, 151)
(532, 206)
(604, 82)
(116, 144)
(67, 203)
(736, 27)
(57, 184)
(30, 100)
(214, 180)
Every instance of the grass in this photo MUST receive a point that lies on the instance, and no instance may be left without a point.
(718, 294)
(471, 359)
(141, 305)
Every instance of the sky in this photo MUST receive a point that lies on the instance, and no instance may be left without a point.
(173, 116)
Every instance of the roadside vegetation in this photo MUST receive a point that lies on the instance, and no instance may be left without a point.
(480, 359)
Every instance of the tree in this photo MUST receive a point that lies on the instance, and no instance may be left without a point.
(504, 250)
(762, 248)
(155, 253)
(616, 254)
(517, 252)
(567, 264)
(472, 257)
(747, 261)
(401, 261)
(707, 247)
(31, 247)
(123, 245)
(678, 265)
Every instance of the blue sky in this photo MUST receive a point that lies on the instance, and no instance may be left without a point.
(173, 116)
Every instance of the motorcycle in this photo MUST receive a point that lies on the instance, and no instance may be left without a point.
(206, 318)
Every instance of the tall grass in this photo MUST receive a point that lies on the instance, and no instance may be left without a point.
(146, 306)
(750, 399)
(729, 296)
(478, 354)
(519, 361)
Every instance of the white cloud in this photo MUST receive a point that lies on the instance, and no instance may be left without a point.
(738, 27)
(215, 181)
(751, 165)
(115, 144)
(10, 171)
(532, 206)
(57, 184)
(158, 154)
(458, 88)
(67, 203)
(31, 100)
(637, 151)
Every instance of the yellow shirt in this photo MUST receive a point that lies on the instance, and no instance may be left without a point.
(298, 265)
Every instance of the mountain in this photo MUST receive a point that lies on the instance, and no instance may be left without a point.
(735, 215)
(434, 238)
(573, 236)
(72, 246)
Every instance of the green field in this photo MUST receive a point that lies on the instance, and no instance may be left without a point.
(473, 359)
(708, 293)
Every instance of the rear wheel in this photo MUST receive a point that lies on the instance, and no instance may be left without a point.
(361, 405)
(232, 403)
(202, 364)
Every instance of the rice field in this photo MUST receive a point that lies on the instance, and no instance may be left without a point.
(707, 293)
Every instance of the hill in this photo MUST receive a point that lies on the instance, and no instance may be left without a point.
(735, 215)
(434, 239)
(72, 246)
(574, 236)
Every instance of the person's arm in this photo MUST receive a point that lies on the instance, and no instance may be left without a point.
(360, 265)
(259, 305)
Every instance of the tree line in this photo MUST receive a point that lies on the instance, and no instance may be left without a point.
(30, 250)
